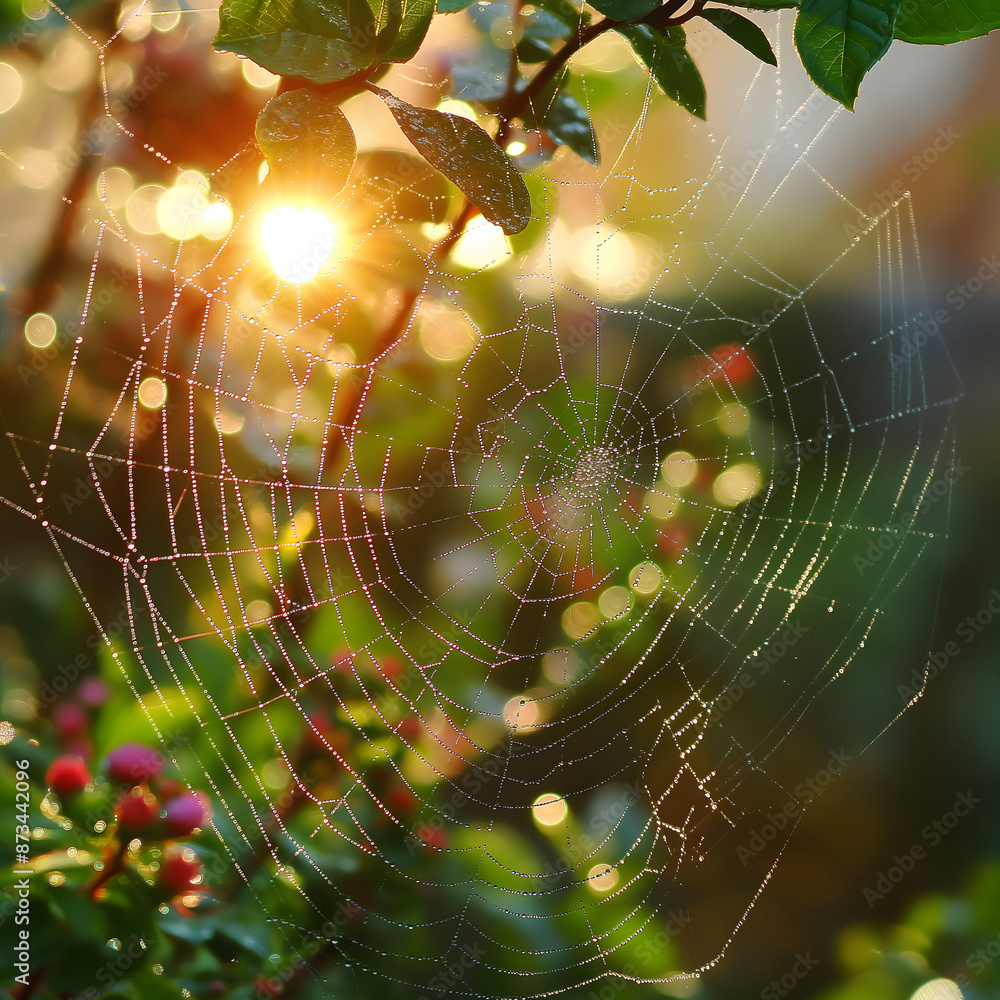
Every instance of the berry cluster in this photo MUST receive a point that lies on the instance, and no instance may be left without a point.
(149, 805)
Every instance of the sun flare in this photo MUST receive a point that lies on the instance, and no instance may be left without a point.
(298, 242)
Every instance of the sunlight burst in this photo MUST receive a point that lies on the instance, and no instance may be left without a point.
(298, 242)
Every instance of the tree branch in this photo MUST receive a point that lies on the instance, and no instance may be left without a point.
(517, 101)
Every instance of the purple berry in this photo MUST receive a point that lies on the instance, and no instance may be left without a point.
(184, 814)
(134, 763)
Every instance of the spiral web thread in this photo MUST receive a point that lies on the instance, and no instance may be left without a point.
(541, 634)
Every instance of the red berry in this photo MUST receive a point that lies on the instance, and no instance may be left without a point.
(433, 837)
(137, 811)
(170, 788)
(81, 747)
(736, 364)
(179, 871)
(93, 692)
(67, 775)
(342, 658)
(317, 729)
(69, 721)
(670, 542)
(410, 728)
(390, 667)
(402, 800)
(184, 814)
(133, 763)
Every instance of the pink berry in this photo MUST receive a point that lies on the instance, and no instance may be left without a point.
(133, 763)
(69, 720)
(137, 811)
(184, 814)
(67, 775)
(93, 692)
(179, 871)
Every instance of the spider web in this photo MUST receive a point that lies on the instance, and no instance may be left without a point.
(553, 616)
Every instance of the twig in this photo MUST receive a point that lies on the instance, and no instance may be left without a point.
(516, 101)
(390, 336)
(42, 284)
(110, 871)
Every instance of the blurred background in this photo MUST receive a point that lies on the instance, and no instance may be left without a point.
(829, 924)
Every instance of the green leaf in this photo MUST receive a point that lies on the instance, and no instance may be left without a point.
(453, 6)
(625, 10)
(568, 122)
(669, 63)
(741, 29)
(249, 936)
(417, 17)
(193, 931)
(308, 143)
(317, 40)
(566, 11)
(541, 29)
(469, 158)
(937, 22)
(483, 77)
(388, 17)
(840, 40)
(565, 119)
(150, 986)
(754, 5)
